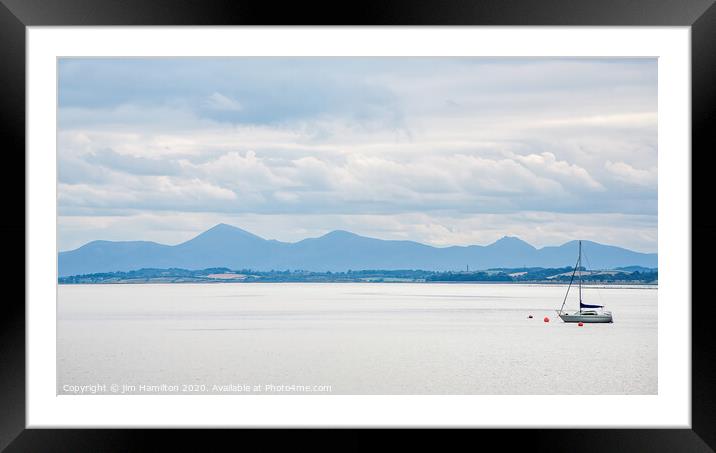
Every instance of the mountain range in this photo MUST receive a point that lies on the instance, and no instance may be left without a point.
(234, 248)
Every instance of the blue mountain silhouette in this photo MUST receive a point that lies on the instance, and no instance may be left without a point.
(229, 246)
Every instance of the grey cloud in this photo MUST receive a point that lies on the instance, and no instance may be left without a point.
(112, 160)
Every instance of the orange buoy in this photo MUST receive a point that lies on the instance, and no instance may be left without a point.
(546, 319)
(580, 324)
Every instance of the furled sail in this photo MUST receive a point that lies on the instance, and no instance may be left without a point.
(583, 305)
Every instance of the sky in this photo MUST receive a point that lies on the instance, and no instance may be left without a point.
(443, 151)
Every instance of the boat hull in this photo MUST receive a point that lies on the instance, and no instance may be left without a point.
(598, 318)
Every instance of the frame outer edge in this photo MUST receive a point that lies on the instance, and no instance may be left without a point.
(703, 117)
(12, 225)
(366, 12)
(12, 114)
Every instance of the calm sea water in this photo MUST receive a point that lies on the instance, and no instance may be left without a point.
(351, 339)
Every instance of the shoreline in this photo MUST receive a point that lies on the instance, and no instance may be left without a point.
(219, 282)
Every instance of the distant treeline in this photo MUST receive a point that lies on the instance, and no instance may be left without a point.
(222, 274)
(469, 277)
(545, 275)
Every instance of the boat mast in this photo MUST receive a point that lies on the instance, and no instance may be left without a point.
(571, 280)
(580, 276)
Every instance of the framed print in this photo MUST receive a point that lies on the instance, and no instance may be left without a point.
(237, 217)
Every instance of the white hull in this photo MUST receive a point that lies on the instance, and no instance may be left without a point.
(588, 315)
(594, 317)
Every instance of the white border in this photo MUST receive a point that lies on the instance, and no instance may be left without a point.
(670, 408)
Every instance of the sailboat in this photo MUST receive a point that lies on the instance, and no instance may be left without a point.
(587, 312)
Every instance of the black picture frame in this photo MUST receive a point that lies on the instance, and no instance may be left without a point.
(16, 15)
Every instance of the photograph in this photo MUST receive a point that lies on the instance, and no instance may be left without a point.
(357, 225)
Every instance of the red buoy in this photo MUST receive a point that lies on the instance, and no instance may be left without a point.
(580, 324)
(546, 319)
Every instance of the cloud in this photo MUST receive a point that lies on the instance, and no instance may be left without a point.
(546, 163)
(112, 160)
(618, 120)
(218, 101)
(342, 183)
(631, 175)
(434, 139)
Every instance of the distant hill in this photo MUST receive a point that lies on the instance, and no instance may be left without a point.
(234, 248)
(640, 269)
